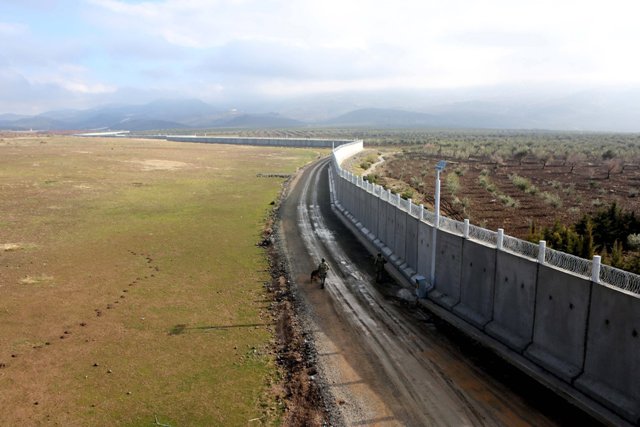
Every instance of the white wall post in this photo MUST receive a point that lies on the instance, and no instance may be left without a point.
(436, 207)
(421, 212)
(542, 247)
(436, 225)
(500, 238)
(595, 269)
(466, 229)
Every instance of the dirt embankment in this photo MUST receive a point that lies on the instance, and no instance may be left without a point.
(295, 353)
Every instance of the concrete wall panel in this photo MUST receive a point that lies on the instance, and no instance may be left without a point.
(560, 325)
(401, 233)
(425, 232)
(382, 220)
(352, 197)
(366, 209)
(411, 248)
(339, 188)
(373, 206)
(371, 211)
(360, 200)
(476, 283)
(391, 226)
(448, 269)
(612, 362)
(514, 300)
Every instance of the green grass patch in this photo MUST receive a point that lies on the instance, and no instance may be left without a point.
(167, 256)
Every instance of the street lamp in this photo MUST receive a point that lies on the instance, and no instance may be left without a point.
(439, 168)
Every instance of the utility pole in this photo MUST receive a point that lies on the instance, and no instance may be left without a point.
(439, 168)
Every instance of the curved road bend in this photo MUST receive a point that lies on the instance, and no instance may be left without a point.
(386, 362)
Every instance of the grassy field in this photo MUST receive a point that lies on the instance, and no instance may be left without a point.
(131, 288)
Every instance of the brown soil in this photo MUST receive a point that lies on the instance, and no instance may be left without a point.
(304, 404)
(585, 190)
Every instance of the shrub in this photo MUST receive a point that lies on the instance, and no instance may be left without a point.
(486, 183)
(633, 241)
(523, 184)
(373, 178)
(407, 194)
(453, 183)
(508, 201)
(551, 199)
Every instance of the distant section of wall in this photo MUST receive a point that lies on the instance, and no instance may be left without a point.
(539, 305)
(279, 142)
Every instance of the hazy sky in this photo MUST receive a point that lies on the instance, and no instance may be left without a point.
(59, 54)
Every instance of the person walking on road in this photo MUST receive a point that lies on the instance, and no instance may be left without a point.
(323, 269)
(379, 263)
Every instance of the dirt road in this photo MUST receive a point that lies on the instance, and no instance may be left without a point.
(384, 361)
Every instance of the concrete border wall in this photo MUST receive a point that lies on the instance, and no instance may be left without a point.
(513, 300)
(476, 283)
(446, 291)
(275, 142)
(425, 233)
(612, 362)
(580, 338)
(411, 244)
(400, 232)
(560, 325)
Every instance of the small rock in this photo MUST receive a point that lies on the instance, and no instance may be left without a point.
(14, 355)
(129, 393)
(109, 371)
(83, 324)
(35, 403)
(96, 364)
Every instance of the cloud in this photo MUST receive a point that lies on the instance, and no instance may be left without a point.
(227, 49)
(267, 59)
(12, 29)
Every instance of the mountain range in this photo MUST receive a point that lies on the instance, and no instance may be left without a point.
(586, 111)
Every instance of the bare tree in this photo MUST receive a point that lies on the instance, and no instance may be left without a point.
(575, 159)
(613, 165)
(520, 154)
(497, 159)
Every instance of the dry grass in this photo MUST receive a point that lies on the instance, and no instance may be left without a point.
(137, 288)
